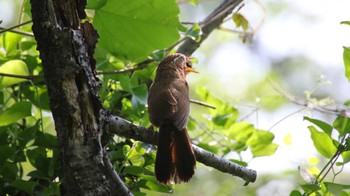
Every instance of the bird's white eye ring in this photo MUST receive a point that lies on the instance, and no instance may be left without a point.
(180, 58)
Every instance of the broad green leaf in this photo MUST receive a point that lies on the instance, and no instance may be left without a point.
(322, 142)
(16, 67)
(10, 43)
(95, 4)
(240, 21)
(342, 124)
(137, 27)
(323, 125)
(27, 186)
(133, 170)
(346, 157)
(346, 59)
(295, 193)
(139, 95)
(261, 143)
(16, 112)
(335, 188)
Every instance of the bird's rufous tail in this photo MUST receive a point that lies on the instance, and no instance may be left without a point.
(175, 160)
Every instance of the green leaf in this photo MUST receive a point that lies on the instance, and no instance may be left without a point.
(16, 112)
(194, 32)
(140, 93)
(95, 4)
(26, 186)
(295, 193)
(45, 140)
(149, 182)
(137, 27)
(133, 170)
(346, 157)
(342, 124)
(10, 43)
(345, 22)
(261, 143)
(240, 21)
(323, 125)
(16, 67)
(244, 164)
(322, 142)
(346, 59)
(310, 188)
(208, 147)
(335, 188)
(6, 152)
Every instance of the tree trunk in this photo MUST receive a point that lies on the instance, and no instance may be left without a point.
(73, 97)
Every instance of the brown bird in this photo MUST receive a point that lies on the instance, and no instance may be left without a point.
(168, 109)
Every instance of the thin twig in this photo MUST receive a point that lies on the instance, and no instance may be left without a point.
(202, 104)
(19, 32)
(30, 77)
(138, 66)
(16, 26)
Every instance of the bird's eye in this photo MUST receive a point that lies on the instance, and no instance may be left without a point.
(179, 60)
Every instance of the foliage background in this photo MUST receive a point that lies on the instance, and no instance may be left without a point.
(297, 47)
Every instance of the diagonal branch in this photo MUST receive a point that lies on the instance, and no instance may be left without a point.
(211, 22)
(124, 128)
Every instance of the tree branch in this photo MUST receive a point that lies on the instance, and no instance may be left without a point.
(211, 22)
(124, 128)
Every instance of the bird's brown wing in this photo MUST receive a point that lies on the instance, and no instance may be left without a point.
(162, 105)
(179, 91)
(169, 104)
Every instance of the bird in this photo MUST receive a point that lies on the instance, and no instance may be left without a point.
(168, 108)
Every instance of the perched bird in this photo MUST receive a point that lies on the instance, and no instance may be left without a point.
(168, 109)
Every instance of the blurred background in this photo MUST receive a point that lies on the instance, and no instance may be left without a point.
(295, 44)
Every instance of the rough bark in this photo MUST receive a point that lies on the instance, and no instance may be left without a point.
(73, 98)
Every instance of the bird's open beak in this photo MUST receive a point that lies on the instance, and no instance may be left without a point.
(189, 69)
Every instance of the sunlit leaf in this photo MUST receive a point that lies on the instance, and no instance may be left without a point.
(288, 139)
(261, 143)
(323, 125)
(15, 67)
(322, 142)
(342, 124)
(240, 21)
(11, 42)
(16, 112)
(137, 27)
(346, 59)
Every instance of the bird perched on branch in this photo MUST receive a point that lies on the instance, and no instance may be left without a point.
(168, 108)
